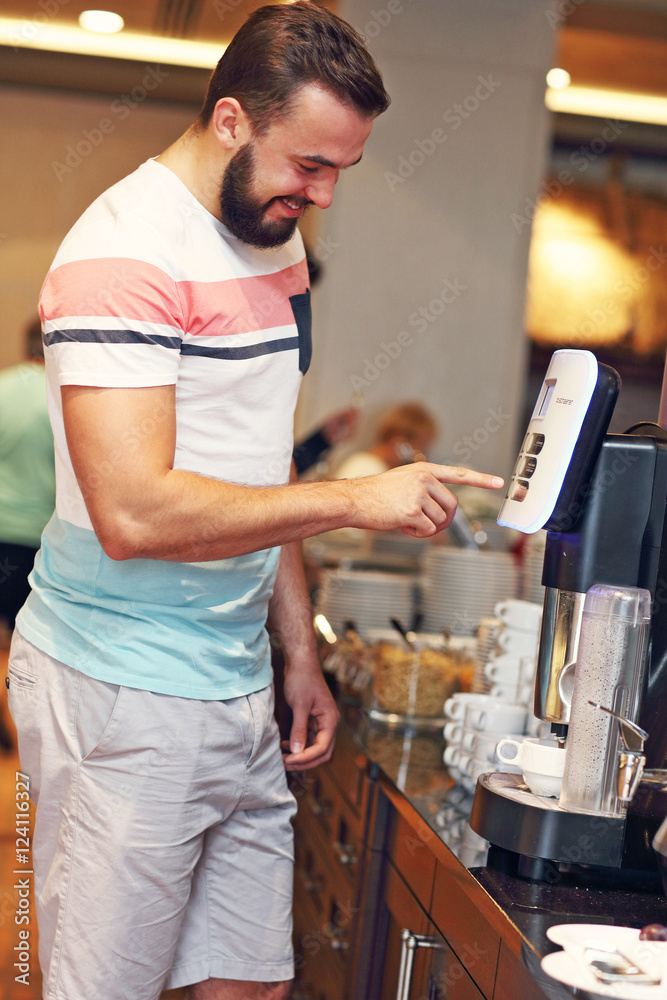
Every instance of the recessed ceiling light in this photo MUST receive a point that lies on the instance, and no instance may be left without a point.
(558, 78)
(629, 107)
(104, 22)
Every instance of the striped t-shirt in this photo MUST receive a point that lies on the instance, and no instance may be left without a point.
(149, 289)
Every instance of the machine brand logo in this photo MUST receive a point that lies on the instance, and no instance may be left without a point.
(564, 401)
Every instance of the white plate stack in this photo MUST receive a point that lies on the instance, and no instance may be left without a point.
(369, 599)
(460, 586)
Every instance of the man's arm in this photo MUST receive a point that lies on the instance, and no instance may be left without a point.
(314, 713)
(122, 443)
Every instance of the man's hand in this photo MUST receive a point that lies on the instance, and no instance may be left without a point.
(413, 497)
(315, 717)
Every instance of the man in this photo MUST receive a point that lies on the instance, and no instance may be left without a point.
(176, 319)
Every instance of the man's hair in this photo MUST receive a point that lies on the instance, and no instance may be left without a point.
(283, 47)
(411, 421)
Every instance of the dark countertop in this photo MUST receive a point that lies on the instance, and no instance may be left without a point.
(413, 763)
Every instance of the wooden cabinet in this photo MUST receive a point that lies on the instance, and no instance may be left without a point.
(329, 837)
(412, 960)
(382, 909)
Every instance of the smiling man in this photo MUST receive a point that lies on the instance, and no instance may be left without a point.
(176, 323)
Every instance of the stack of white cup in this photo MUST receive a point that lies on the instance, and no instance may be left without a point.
(453, 821)
(511, 667)
(475, 725)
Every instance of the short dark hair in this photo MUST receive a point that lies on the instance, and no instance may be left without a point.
(281, 48)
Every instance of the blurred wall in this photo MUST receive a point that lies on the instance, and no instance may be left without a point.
(424, 269)
(58, 152)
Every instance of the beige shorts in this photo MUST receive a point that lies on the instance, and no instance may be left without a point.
(162, 848)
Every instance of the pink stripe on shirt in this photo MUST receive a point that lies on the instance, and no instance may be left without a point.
(134, 289)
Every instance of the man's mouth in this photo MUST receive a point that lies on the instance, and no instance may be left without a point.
(295, 206)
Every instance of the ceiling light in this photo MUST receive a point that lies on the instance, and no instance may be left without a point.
(558, 78)
(105, 22)
(32, 34)
(649, 108)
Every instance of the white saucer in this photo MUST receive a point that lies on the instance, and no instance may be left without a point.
(568, 966)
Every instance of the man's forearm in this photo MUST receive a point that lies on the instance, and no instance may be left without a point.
(290, 611)
(184, 517)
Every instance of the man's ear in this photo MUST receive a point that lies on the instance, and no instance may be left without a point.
(230, 123)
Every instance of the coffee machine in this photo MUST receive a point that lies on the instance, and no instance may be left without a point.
(602, 499)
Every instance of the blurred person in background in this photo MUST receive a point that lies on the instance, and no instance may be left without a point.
(27, 482)
(339, 427)
(403, 434)
(27, 473)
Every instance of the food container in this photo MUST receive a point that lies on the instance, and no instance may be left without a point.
(409, 686)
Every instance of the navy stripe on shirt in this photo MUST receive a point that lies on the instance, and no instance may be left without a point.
(134, 337)
(241, 353)
(109, 337)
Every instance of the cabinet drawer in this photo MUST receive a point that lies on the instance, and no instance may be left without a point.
(348, 768)
(323, 806)
(448, 979)
(459, 920)
(412, 857)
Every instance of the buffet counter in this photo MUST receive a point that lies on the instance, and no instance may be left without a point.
(398, 911)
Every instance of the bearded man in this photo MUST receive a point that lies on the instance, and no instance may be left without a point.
(176, 324)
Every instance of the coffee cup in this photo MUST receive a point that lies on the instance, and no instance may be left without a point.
(508, 690)
(503, 669)
(542, 763)
(484, 746)
(451, 755)
(452, 731)
(518, 643)
(456, 705)
(496, 716)
(523, 615)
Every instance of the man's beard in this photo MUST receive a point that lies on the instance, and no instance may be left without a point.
(242, 214)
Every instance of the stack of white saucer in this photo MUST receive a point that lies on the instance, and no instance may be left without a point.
(460, 586)
(510, 669)
(367, 598)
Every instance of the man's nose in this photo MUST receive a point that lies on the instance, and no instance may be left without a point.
(321, 191)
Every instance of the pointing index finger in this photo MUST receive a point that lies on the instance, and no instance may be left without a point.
(454, 474)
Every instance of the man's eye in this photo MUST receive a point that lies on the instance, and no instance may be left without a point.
(308, 170)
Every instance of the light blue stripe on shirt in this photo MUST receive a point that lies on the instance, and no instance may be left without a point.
(196, 630)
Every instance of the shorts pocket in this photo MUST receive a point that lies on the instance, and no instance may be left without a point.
(19, 677)
(96, 714)
(304, 324)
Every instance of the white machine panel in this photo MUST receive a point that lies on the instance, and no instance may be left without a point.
(552, 434)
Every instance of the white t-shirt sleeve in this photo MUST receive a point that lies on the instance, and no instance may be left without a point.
(112, 322)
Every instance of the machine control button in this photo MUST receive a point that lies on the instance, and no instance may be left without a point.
(534, 444)
(519, 490)
(528, 466)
